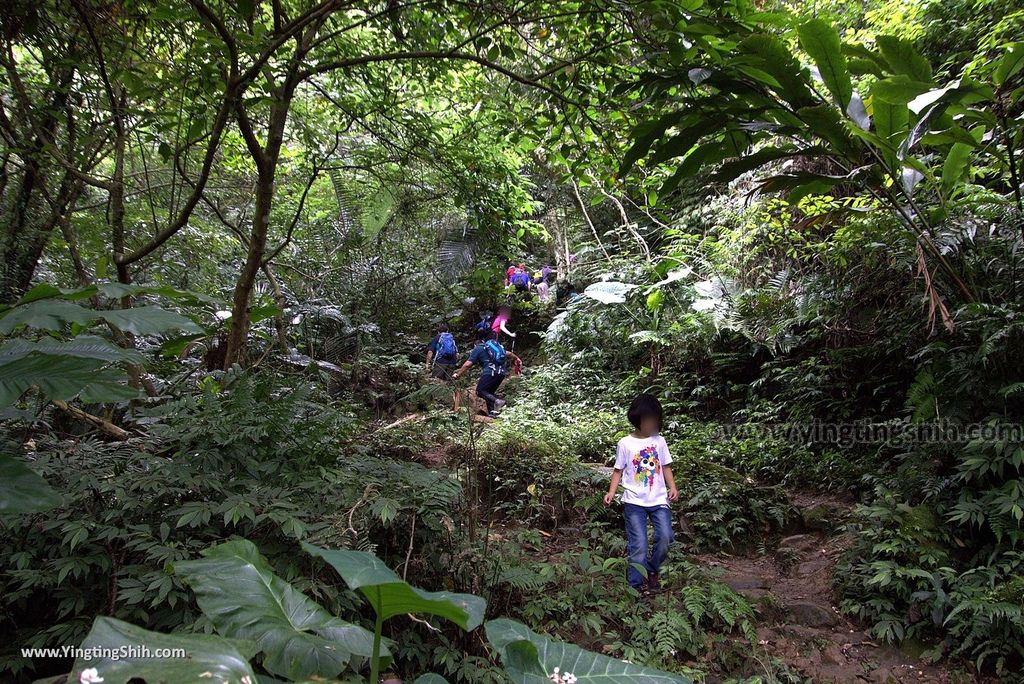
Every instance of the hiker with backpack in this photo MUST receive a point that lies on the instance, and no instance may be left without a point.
(540, 282)
(442, 354)
(521, 279)
(485, 322)
(492, 358)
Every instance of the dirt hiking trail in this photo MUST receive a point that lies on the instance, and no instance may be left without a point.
(797, 616)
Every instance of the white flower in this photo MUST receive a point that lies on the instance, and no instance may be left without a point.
(558, 678)
(90, 676)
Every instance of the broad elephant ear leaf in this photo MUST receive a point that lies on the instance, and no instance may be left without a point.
(389, 595)
(207, 657)
(239, 593)
(532, 658)
(22, 490)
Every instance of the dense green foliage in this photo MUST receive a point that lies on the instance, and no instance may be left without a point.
(227, 230)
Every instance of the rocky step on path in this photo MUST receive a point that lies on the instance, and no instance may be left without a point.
(799, 623)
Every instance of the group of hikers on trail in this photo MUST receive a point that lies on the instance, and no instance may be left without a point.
(519, 278)
(642, 458)
(488, 353)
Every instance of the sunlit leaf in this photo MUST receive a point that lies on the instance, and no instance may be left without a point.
(609, 291)
(820, 40)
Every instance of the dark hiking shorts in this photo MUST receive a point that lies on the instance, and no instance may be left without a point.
(443, 371)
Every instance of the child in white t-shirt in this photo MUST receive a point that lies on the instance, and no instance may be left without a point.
(642, 465)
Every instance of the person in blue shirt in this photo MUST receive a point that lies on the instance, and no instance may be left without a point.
(442, 354)
(492, 359)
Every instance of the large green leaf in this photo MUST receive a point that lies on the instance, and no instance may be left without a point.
(83, 347)
(148, 320)
(863, 61)
(1009, 64)
(532, 658)
(62, 377)
(777, 60)
(375, 214)
(54, 314)
(890, 119)
(898, 89)
(799, 185)
(700, 157)
(22, 490)
(118, 290)
(243, 598)
(891, 125)
(40, 291)
(820, 40)
(682, 142)
(390, 595)
(45, 314)
(955, 165)
(126, 653)
(903, 58)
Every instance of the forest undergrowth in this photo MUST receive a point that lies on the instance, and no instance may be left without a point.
(228, 230)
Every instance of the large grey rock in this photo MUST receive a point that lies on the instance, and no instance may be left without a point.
(812, 614)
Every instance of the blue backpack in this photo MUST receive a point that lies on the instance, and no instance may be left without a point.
(521, 279)
(484, 324)
(498, 355)
(446, 347)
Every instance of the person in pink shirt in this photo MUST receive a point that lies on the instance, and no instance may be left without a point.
(500, 323)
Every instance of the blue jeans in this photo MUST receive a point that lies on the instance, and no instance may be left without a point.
(640, 553)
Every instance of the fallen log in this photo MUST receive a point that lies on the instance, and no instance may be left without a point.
(102, 424)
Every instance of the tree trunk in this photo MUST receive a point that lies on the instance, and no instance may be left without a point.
(28, 221)
(281, 301)
(267, 163)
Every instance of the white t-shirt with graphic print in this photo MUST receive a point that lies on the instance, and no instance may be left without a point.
(642, 463)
